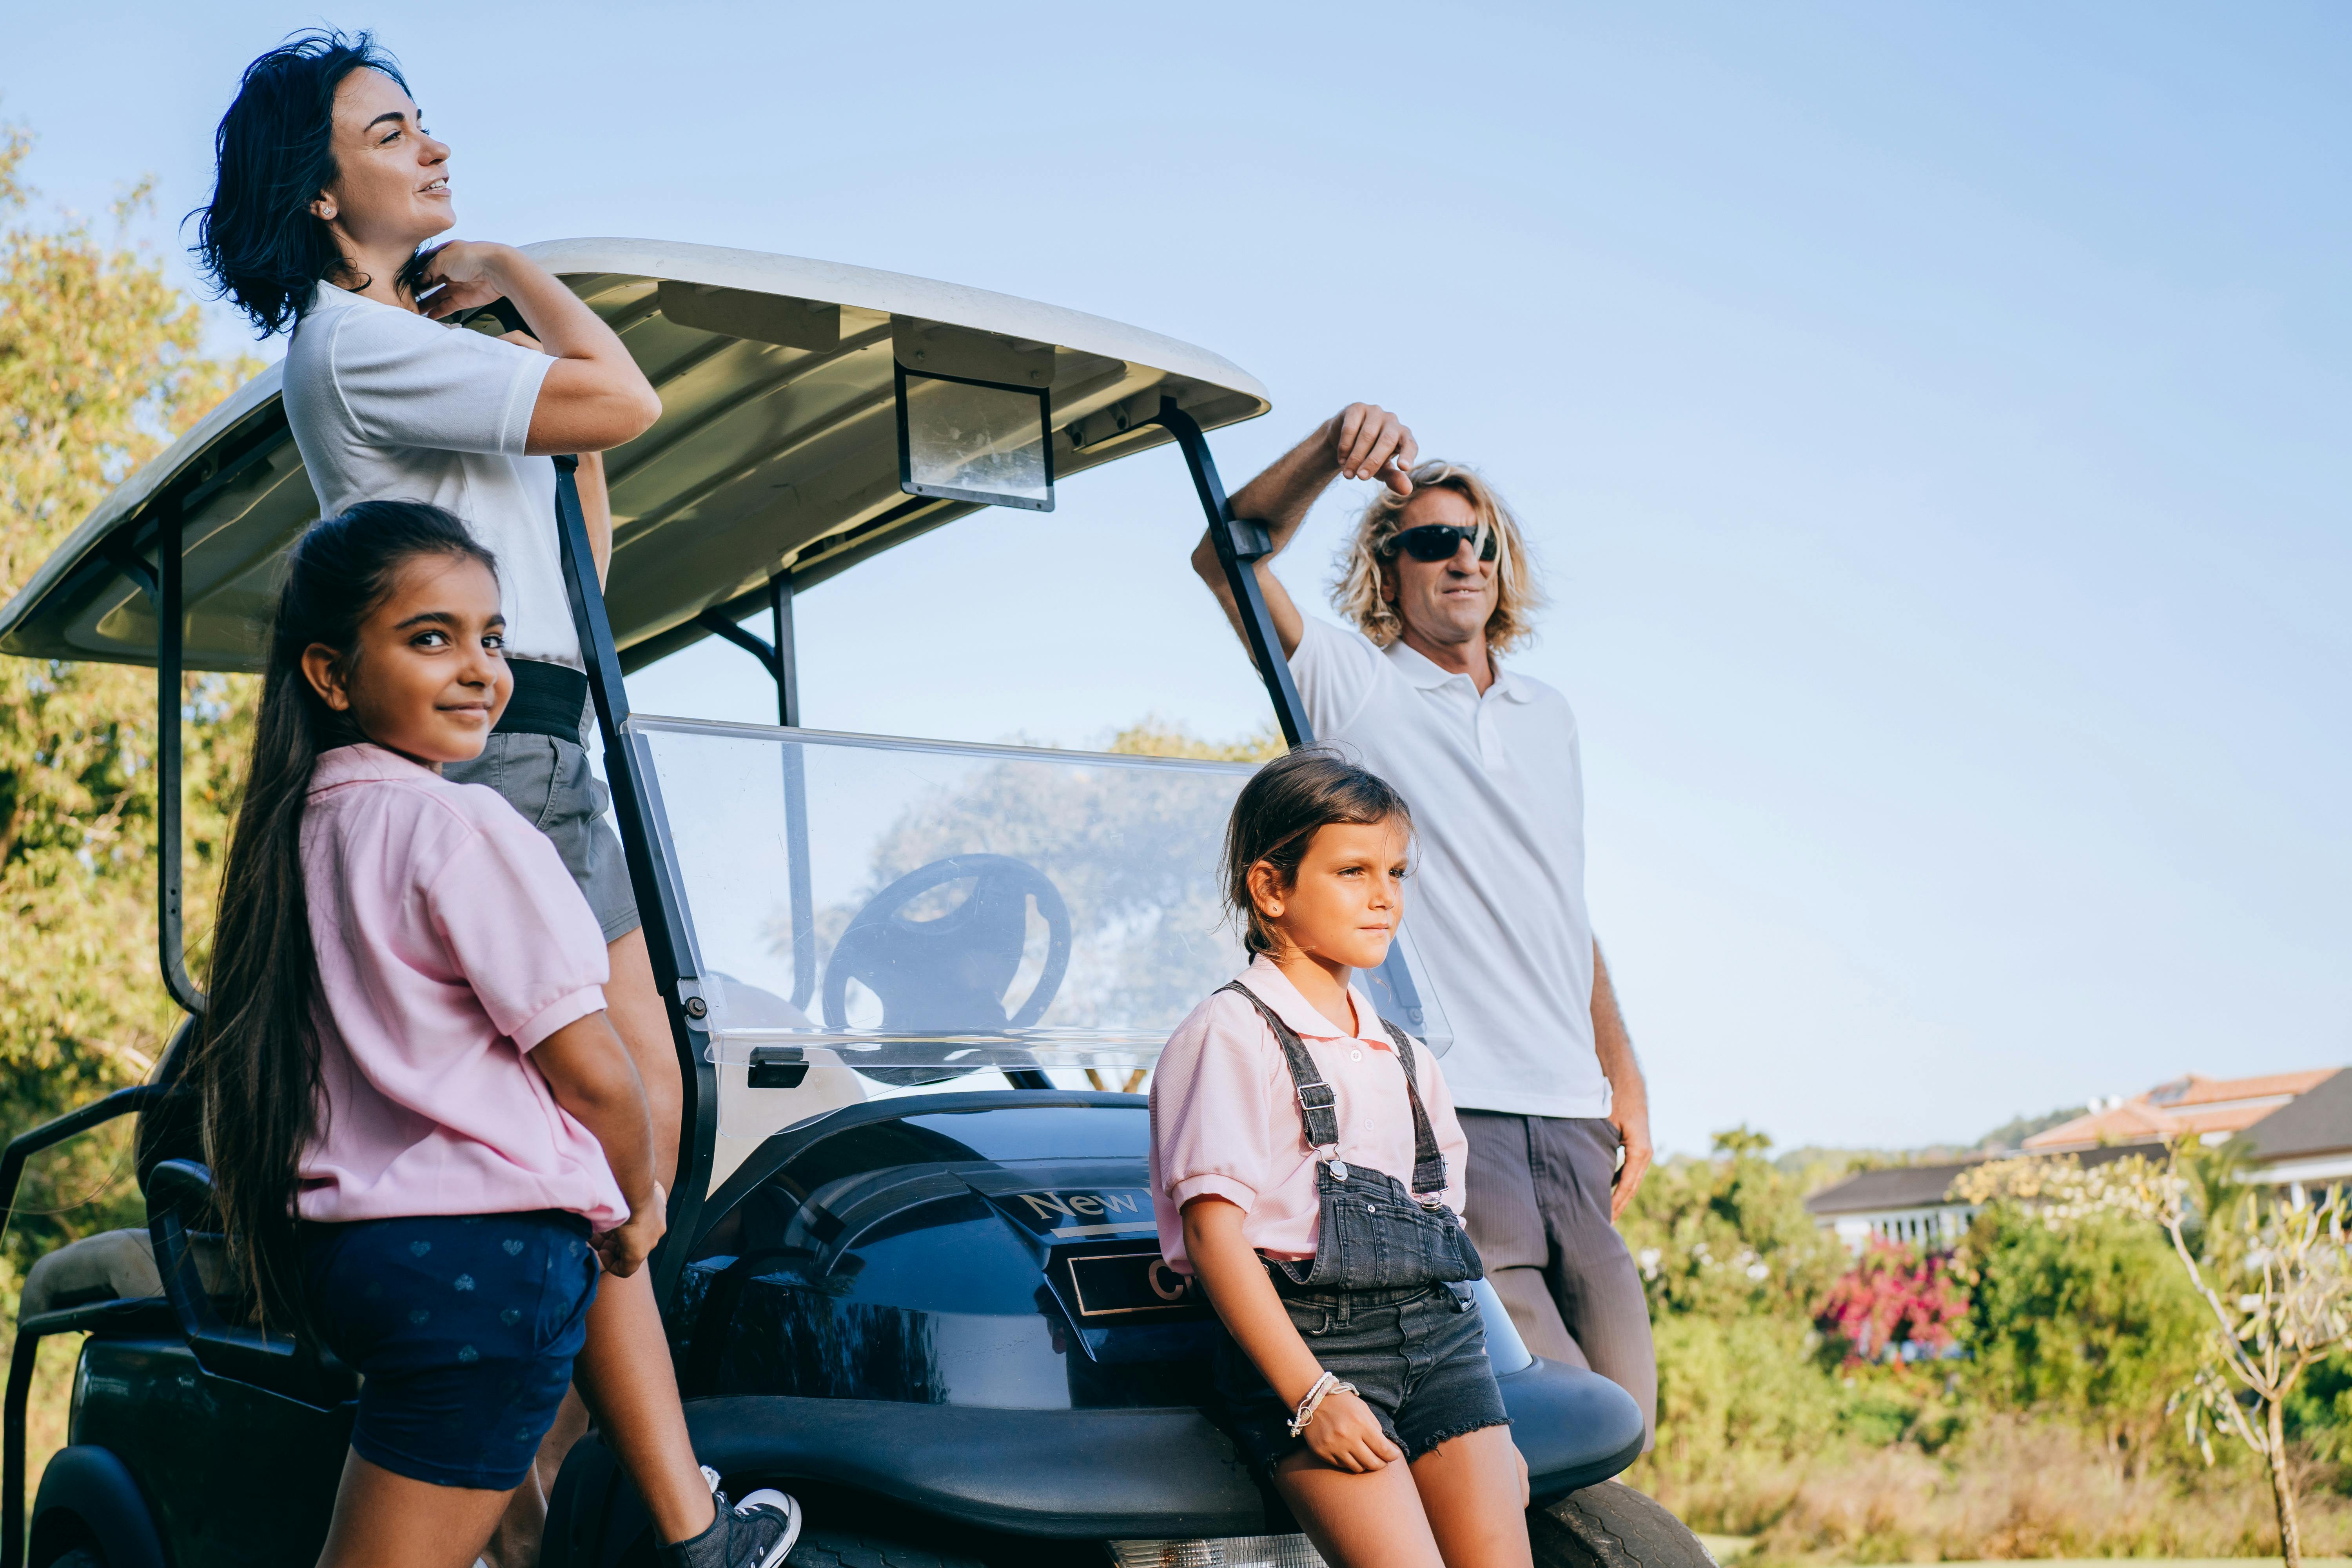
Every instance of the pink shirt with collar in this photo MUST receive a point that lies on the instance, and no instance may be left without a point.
(450, 940)
(1224, 1114)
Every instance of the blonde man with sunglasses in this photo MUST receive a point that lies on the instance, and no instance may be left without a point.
(1437, 583)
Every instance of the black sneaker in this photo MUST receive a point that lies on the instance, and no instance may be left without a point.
(754, 1533)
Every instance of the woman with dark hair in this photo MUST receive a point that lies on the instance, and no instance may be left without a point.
(329, 189)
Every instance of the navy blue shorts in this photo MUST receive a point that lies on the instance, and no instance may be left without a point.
(462, 1328)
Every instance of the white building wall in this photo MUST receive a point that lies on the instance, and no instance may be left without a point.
(1931, 1227)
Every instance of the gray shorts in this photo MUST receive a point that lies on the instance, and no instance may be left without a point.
(1417, 1357)
(550, 782)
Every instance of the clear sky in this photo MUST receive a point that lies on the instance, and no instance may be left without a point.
(1931, 419)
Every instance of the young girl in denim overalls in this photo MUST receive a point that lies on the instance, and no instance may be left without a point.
(1308, 1166)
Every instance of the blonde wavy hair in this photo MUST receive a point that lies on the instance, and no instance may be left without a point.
(1357, 593)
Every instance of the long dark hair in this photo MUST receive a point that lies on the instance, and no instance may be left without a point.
(255, 1066)
(258, 239)
(1277, 814)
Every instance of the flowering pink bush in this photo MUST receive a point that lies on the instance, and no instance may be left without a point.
(1893, 1298)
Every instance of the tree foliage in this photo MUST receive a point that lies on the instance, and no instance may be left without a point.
(2084, 1313)
(2276, 1274)
(1729, 1237)
(1733, 1268)
(1156, 737)
(101, 366)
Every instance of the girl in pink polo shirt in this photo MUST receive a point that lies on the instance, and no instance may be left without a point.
(427, 1141)
(1306, 1168)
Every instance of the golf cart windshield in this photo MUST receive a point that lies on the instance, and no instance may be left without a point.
(918, 910)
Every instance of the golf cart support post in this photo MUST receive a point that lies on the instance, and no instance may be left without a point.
(1239, 546)
(630, 777)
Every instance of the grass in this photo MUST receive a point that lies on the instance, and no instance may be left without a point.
(2009, 1488)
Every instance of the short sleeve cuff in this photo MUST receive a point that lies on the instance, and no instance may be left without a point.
(522, 400)
(1322, 640)
(1336, 669)
(1240, 1195)
(568, 1008)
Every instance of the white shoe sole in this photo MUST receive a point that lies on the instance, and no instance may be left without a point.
(785, 1504)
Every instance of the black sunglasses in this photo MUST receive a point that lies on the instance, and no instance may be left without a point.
(1438, 542)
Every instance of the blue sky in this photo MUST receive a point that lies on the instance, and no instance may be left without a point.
(1930, 419)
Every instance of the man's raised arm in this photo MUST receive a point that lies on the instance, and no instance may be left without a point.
(1359, 442)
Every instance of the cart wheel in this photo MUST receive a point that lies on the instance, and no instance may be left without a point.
(839, 1548)
(1611, 1526)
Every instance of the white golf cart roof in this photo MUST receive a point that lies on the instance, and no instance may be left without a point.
(777, 447)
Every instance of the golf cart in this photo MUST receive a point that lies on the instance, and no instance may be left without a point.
(911, 1272)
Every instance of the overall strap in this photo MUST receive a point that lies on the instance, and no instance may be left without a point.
(1318, 1101)
(1428, 1165)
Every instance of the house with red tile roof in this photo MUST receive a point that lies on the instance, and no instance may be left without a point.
(2191, 1106)
(2295, 1128)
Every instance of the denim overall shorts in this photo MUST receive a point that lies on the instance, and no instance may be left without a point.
(1384, 1302)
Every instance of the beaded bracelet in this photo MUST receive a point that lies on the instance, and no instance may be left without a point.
(1324, 1387)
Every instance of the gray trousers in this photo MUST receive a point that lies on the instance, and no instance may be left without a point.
(1537, 1207)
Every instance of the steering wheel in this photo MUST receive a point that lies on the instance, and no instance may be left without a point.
(948, 975)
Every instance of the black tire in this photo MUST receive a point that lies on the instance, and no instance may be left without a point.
(1611, 1526)
(82, 1556)
(841, 1549)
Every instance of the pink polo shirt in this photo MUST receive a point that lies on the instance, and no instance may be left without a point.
(1224, 1114)
(451, 940)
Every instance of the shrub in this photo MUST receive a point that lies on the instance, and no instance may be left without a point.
(2087, 1317)
(1892, 1304)
(1729, 1238)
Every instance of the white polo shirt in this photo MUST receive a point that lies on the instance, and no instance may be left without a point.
(1496, 901)
(387, 404)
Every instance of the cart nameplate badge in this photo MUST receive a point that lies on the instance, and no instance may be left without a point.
(1124, 1286)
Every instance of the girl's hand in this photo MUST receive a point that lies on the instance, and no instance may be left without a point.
(626, 1245)
(1347, 1435)
(466, 272)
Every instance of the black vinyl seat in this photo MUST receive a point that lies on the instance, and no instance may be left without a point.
(180, 1192)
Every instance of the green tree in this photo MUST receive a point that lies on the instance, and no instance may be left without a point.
(1734, 1267)
(101, 366)
(2276, 1273)
(1729, 1237)
(1157, 737)
(2078, 1306)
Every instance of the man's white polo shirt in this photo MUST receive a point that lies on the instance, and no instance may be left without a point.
(1497, 901)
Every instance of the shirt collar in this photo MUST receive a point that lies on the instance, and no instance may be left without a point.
(367, 763)
(1420, 671)
(326, 296)
(1274, 988)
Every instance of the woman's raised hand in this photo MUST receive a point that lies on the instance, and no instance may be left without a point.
(466, 272)
(1347, 1435)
